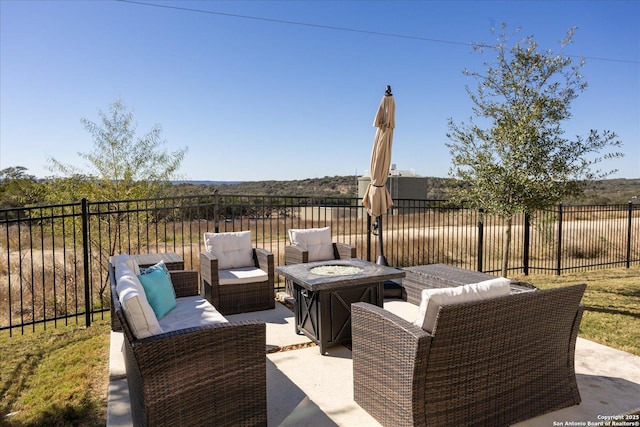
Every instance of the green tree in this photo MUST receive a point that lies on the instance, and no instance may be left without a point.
(121, 165)
(17, 188)
(521, 161)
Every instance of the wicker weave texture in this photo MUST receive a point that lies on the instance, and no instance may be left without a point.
(437, 276)
(494, 362)
(238, 297)
(207, 375)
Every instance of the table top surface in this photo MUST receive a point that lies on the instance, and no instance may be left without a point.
(447, 275)
(450, 272)
(369, 273)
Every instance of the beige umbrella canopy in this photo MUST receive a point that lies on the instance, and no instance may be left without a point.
(377, 199)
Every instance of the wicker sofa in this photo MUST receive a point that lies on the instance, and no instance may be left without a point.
(491, 362)
(207, 374)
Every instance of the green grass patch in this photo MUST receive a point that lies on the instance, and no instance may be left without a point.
(55, 377)
(612, 304)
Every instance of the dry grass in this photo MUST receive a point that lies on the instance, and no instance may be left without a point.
(42, 277)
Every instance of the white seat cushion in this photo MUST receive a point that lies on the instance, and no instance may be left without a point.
(189, 312)
(233, 249)
(317, 241)
(432, 299)
(242, 275)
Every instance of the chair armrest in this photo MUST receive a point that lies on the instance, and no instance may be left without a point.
(389, 363)
(184, 371)
(264, 259)
(209, 268)
(185, 282)
(343, 251)
(295, 255)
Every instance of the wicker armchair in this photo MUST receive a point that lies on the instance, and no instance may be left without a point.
(238, 295)
(492, 362)
(205, 375)
(297, 254)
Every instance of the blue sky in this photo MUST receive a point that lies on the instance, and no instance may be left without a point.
(260, 99)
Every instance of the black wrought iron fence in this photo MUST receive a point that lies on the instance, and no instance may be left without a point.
(53, 260)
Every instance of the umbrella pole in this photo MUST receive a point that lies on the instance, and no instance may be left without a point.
(382, 260)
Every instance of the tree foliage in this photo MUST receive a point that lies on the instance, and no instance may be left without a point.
(18, 188)
(521, 161)
(121, 165)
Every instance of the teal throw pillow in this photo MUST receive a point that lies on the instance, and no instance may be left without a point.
(159, 289)
(160, 265)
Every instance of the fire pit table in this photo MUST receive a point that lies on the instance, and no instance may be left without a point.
(325, 290)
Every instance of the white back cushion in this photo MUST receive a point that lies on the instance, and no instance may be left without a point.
(317, 241)
(432, 299)
(125, 258)
(232, 249)
(136, 308)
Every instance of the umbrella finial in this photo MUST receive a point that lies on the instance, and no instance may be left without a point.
(388, 91)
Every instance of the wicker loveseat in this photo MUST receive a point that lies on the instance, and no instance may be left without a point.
(491, 362)
(207, 374)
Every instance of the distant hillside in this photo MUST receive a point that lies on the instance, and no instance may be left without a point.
(196, 182)
(337, 186)
(609, 191)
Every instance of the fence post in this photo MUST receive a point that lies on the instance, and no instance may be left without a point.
(629, 223)
(216, 204)
(559, 248)
(368, 237)
(526, 243)
(85, 256)
(480, 239)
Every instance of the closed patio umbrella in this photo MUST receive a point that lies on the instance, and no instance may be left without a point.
(377, 199)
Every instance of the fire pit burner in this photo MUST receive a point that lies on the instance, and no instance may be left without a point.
(336, 270)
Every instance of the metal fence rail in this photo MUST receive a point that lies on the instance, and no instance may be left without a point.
(53, 258)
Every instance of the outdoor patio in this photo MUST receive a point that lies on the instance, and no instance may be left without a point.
(305, 388)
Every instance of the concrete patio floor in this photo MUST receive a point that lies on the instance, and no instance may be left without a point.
(301, 390)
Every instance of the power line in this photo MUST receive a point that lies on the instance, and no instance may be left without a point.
(352, 30)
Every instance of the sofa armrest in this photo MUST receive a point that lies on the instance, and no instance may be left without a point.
(213, 374)
(295, 255)
(185, 282)
(571, 355)
(389, 364)
(343, 251)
